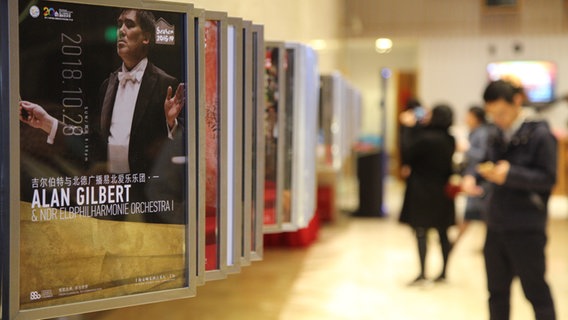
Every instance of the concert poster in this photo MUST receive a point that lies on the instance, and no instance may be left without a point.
(104, 170)
(212, 145)
(273, 100)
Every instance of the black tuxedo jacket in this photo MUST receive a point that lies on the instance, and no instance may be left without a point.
(150, 150)
(149, 131)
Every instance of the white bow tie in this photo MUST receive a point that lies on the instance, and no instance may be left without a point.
(134, 76)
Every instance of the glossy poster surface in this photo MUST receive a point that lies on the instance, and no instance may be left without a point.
(212, 146)
(272, 104)
(289, 131)
(302, 99)
(104, 166)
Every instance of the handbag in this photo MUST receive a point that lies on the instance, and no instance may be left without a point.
(453, 186)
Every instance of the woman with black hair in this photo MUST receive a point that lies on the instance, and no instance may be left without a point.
(426, 204)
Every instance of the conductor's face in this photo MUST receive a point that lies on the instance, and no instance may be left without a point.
(132, 41)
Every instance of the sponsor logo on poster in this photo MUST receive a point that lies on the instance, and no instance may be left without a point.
(34, 11)
(54, 14)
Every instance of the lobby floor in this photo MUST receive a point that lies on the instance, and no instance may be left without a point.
(359, 269)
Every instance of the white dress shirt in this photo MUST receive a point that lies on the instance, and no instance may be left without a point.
(122, 115)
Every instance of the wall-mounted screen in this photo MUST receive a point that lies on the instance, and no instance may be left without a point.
(537, 77)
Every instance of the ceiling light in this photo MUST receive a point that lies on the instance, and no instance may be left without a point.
(383, 45)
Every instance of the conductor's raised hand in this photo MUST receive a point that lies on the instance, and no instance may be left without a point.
(174, 103)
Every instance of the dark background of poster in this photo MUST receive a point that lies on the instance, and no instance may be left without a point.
(41, 80)
(40, 48)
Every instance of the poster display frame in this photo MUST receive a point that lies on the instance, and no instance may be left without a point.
(247, 140)
(232, 126)
(334, 116)
(199, 53)
(292, 82)
(276, 227)
(305, 118)
(12, 308)
(5, 137)
(258, 142)
(221, 229)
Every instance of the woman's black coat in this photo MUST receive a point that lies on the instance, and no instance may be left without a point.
(429, 155)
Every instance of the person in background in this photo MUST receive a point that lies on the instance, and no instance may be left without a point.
(414, 113)
(474, 155)
(521, 167)
(426, 204)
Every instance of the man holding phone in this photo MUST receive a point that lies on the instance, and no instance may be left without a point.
(521, 169)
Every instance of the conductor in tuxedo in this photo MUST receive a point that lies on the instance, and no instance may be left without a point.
(137, 121)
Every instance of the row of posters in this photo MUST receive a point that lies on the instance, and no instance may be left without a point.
(340, 107)
(292, 93)
(305, 111)
(151, 145)
(136, 171)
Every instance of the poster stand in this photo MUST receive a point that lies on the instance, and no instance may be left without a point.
(65, 227)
